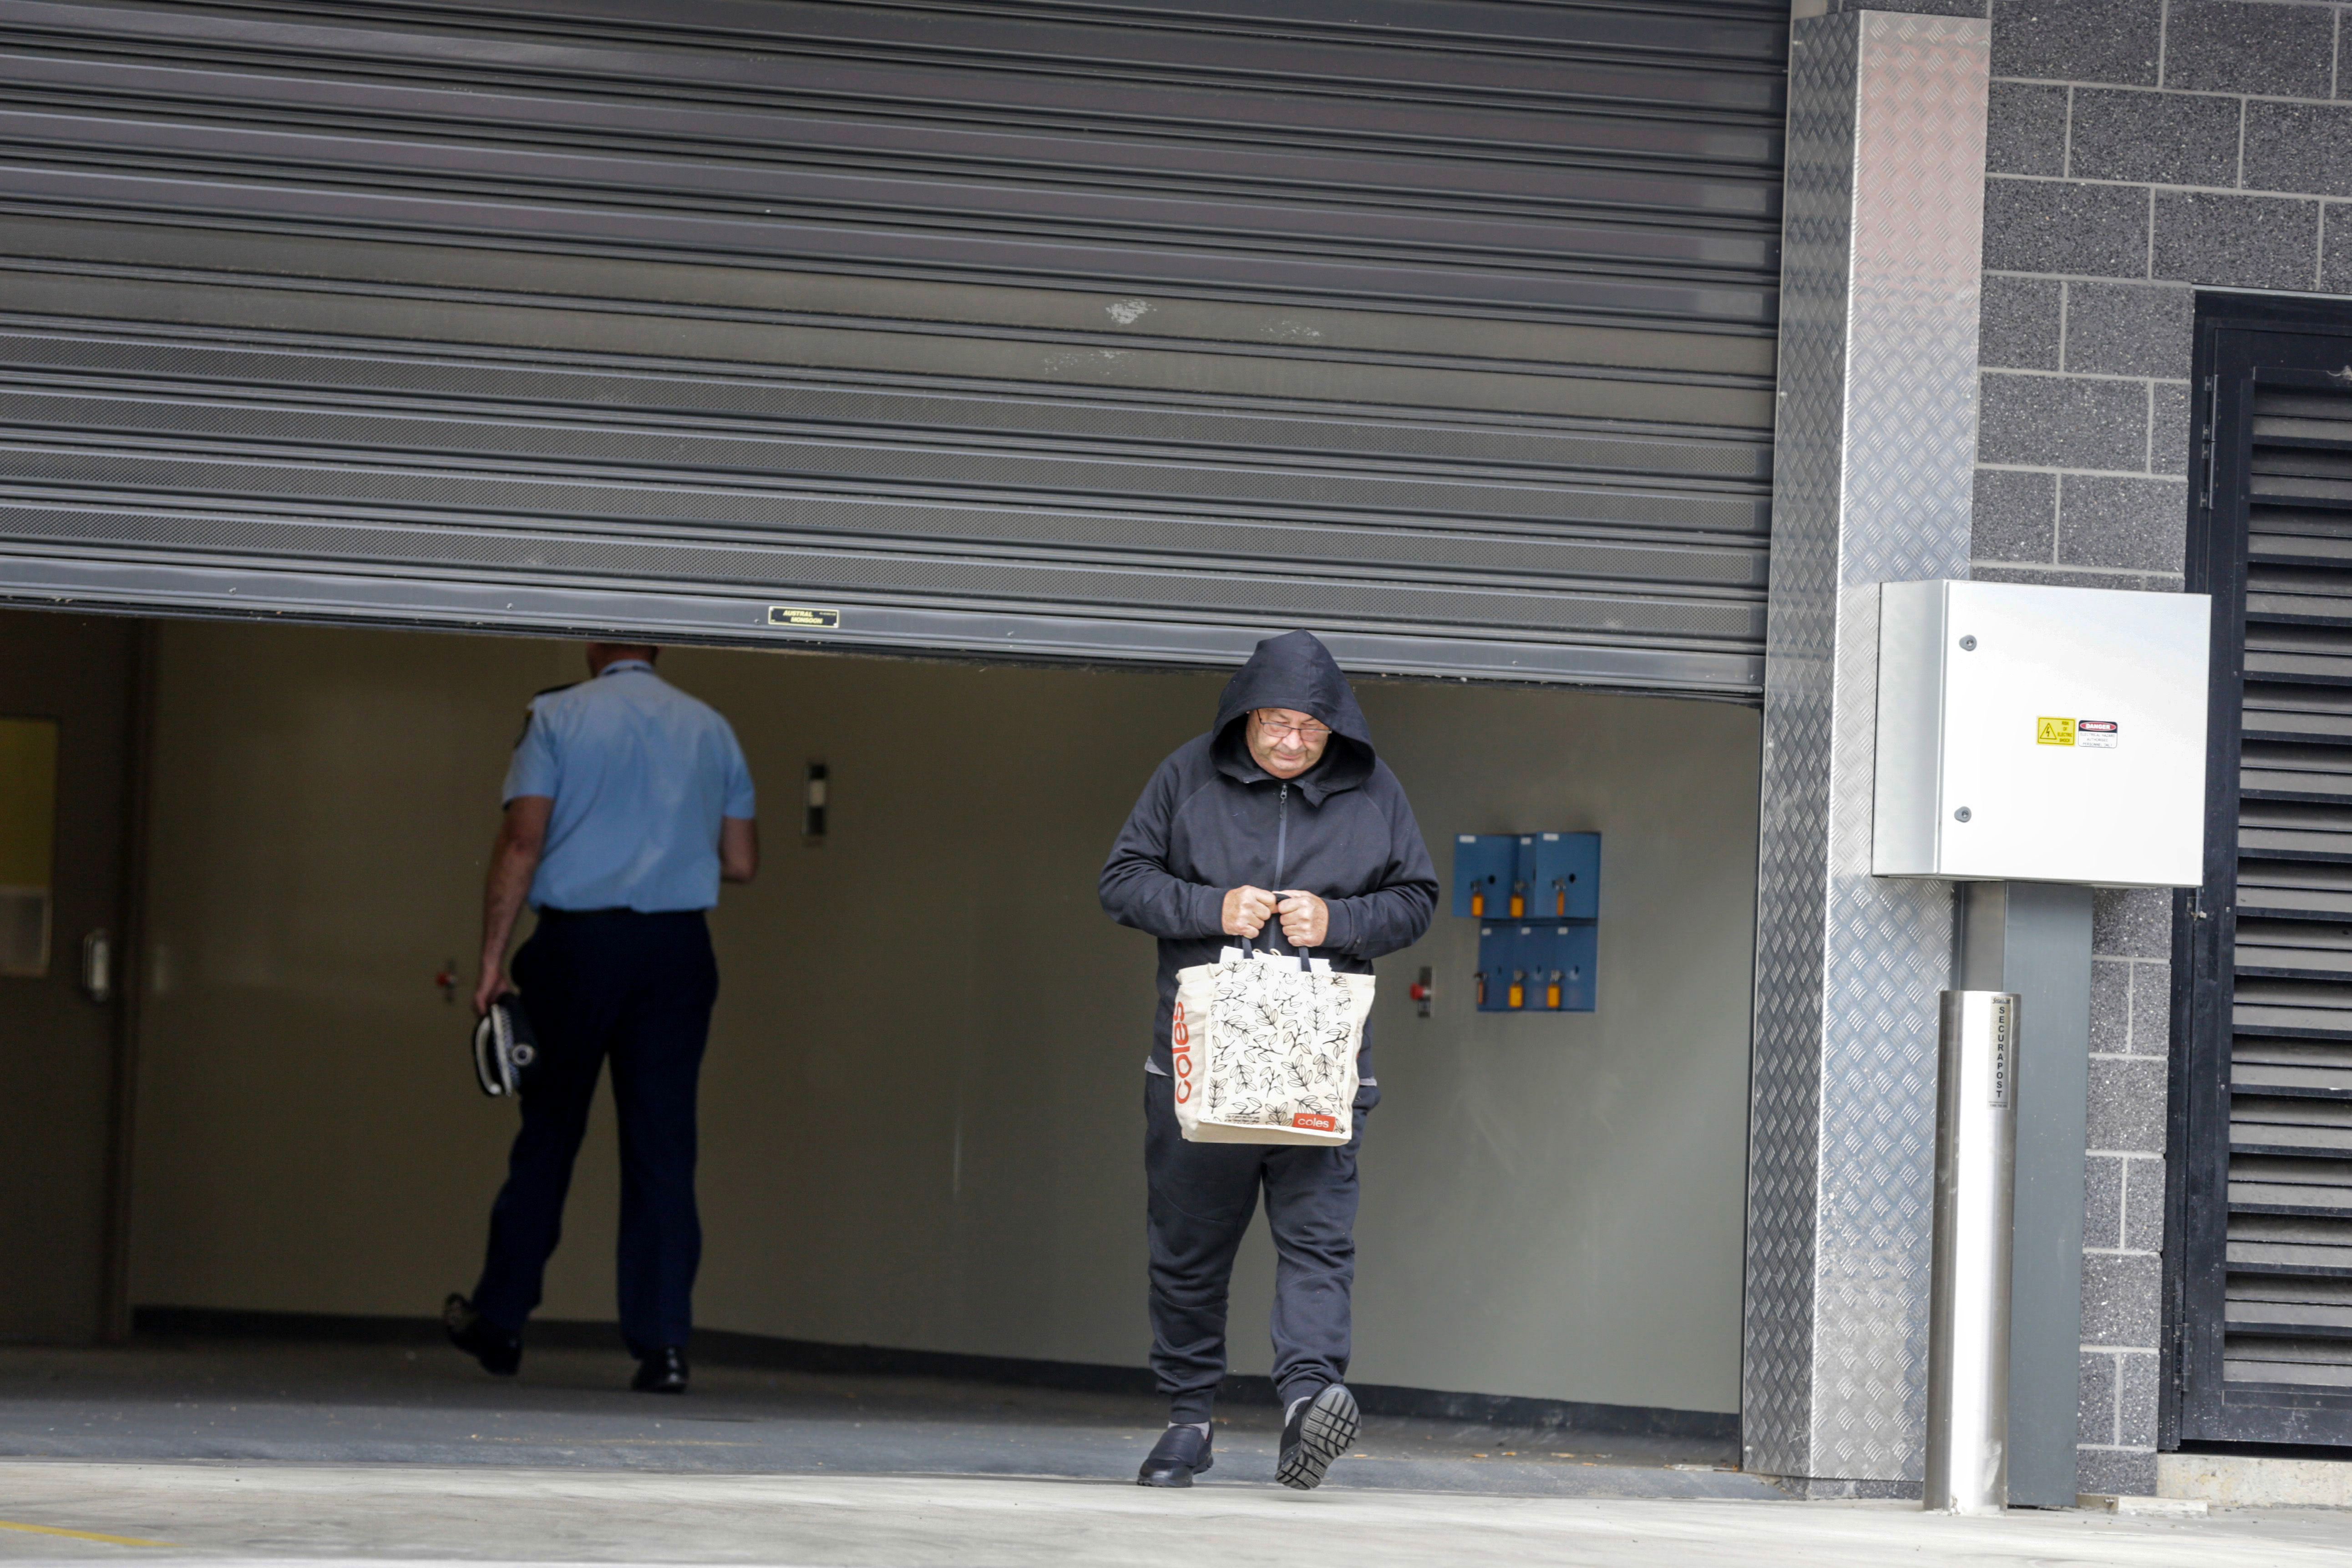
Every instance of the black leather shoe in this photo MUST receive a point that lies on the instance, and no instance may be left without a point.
(1182, 1453)
(1318, 1432)
(498, 1350)
(664, 1372)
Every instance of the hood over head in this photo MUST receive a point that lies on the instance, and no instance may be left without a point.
(1295, 671)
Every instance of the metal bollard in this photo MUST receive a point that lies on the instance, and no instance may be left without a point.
(1976, 1185)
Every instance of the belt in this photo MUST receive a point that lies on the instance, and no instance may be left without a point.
(551, 913)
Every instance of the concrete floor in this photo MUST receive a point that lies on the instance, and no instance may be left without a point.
(340, 1404)
(283, 1455)
(285, 1514)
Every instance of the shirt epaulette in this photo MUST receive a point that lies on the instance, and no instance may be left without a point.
(545, 692)
(548, 692)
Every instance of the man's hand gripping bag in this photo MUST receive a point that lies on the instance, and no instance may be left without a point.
(1265, 1049)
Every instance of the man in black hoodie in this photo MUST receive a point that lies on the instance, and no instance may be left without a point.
(1280, 822)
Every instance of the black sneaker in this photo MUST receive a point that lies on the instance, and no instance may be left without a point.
(664, 1372)
(1318, 1431)
(1182, 1453)
(498, 1350)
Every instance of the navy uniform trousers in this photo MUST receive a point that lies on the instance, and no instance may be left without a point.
(1202, 1199)
(635, 990)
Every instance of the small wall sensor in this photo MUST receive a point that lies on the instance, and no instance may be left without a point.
(813, 812)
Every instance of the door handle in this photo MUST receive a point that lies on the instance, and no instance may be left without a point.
(98, 967)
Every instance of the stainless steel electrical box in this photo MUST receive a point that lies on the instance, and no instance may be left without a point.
(2036, 734)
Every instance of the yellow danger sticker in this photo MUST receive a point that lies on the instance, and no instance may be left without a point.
(2053, 732)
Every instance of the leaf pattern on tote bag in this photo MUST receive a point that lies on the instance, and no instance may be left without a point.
(1282, 1044)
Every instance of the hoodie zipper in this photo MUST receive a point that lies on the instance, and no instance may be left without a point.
(1281, 834)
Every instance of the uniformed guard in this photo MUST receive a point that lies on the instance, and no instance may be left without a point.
(627, 803)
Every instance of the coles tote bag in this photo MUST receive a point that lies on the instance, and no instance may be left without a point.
(1264, 1048)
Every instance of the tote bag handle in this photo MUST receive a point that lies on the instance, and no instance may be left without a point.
(1305, 964)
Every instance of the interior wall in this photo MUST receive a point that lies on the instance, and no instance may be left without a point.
(75, 674)
(921, 1123)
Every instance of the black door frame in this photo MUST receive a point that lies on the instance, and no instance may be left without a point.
(2240, 340)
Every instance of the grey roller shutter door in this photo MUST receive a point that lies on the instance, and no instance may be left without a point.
(1102, 331)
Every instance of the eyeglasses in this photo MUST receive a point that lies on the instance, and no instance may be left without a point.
(1275, 729)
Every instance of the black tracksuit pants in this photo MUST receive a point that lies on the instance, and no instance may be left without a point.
(1202, 1197)
(637, 989)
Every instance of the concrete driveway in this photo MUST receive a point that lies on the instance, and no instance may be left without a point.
(281, 1454)
(347, 1515)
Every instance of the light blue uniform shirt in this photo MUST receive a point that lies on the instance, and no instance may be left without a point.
(640, 774)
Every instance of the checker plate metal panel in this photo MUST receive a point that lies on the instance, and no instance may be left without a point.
(1874, 454)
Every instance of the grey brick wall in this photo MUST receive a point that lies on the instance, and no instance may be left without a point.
(2123, 1197)
(2136, 150)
